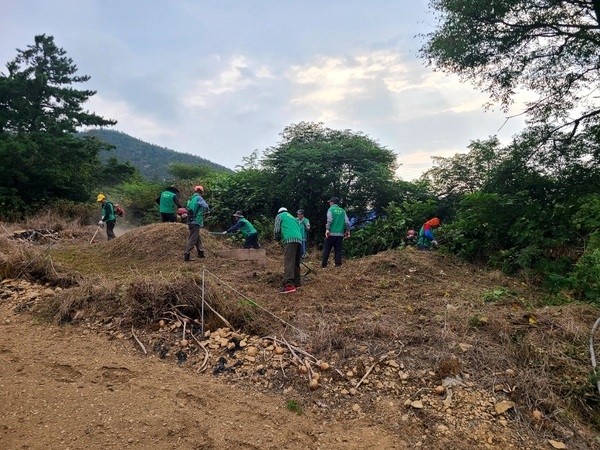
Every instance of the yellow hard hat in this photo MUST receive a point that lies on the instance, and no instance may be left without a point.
(101, 197)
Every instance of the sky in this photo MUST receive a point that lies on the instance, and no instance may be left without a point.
(222, 78)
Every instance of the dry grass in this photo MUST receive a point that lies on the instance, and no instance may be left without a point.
(422, 306)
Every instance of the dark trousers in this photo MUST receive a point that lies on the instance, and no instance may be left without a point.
(110, 227)
(252, 241)
(168, 217)
(194, 239)
(291, 264)
(335, 243)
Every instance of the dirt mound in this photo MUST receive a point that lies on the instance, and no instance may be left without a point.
(163, 241)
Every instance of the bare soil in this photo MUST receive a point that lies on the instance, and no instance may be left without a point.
(102, 345)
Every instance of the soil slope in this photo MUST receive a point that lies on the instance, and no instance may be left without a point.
(398, 350)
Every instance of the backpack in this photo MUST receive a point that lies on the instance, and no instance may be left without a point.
(118, 210)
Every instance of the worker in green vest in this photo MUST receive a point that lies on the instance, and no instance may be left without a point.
(168, 203)
(287, 229)
(247, 230)
(336, 229)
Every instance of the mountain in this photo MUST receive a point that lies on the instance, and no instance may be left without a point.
(151, 160)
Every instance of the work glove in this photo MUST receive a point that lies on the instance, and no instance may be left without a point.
(434, 243)
(101, 224)
(347, 234)
(224, 232)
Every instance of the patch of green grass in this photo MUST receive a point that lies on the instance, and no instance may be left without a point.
(495, 295)
(294, 406)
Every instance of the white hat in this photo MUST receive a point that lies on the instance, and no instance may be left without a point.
(282, 209)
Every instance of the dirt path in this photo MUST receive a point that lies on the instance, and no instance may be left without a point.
(64, 389)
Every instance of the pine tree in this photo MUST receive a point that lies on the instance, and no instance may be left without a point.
(40, 111)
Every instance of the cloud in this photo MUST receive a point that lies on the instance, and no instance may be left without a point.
(136, 124)
(238, 74)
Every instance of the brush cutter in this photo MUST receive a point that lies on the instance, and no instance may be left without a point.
(97, 229)
(308, 268)
(216, 232)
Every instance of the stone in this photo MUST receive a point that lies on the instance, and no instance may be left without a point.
(556, 444)
(465, 347)
(503, 406)
(417, 404)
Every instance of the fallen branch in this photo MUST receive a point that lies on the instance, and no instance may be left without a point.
(225, 321)
(370, 369)
(203, 366)
(138, 341)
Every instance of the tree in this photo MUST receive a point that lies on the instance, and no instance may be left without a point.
(314, 163)
(39, 114)
(465, 173)
(183, 171)
(546, 47)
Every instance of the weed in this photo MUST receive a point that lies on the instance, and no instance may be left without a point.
(294, 407)
(494, 295)
(478, 321)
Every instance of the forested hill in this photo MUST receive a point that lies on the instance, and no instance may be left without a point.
(151, 160)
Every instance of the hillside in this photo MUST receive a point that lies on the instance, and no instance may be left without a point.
(400, 350)
(151, 160)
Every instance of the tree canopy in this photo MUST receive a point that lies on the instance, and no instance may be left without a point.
(312, 163)
(545, 47)
(39, 113)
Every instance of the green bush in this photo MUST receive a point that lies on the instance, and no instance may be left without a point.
(587, 275)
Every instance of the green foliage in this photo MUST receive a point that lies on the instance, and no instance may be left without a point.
(183, 171)
(251, 191)
(587, 275)
(114, 172)
(138, 198)
(314, 163)
(294, 406)
(152, 161)
(495, 295)
(496, 45)
(389, 230)
(83, 213)
(466, 173)
(39, 112)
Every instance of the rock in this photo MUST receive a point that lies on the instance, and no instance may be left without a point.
(251, 351)
(556, 444)
(417, 404)
(439, 390)
(393, 363)
(356, 407)
(352, 391)
(465, 347)
(503, 406)
(537, 415)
